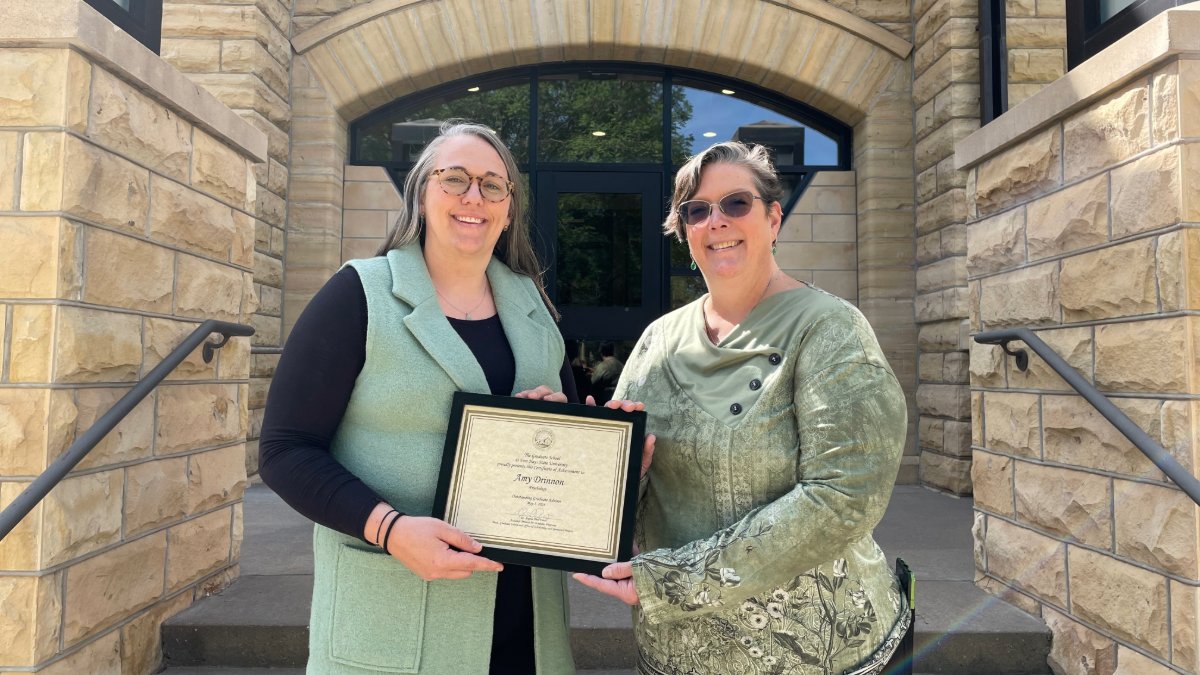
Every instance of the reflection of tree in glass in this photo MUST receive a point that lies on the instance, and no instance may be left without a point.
(628, 112)
(599, 250)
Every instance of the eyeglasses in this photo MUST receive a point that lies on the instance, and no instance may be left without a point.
(735, 205)
(457, 182)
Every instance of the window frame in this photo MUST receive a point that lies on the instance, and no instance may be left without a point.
(142, 21)
(1087, 35)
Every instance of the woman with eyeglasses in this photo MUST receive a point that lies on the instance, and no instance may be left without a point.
(356, 420)
(779, 430)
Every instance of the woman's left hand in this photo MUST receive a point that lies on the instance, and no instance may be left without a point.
(543, 393)
(616, 580)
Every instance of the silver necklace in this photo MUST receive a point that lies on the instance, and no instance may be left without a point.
(466, 313)
(712, 331)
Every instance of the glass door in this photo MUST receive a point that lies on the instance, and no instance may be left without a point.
(600, 234)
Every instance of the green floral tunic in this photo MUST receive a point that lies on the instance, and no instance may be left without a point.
(777, 451)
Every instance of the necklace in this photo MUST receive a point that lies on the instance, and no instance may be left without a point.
(712, 331)
(465, 312)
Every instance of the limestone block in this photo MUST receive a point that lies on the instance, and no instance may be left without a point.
(1130, 662)
(955, 33)
(278, 144)
(233, 361)
(241, 250)
(143, 279)
(1124, 363)
(1012, 423)
(930, 431)
(1185, 640)
(1189, 97)
(931, 15)
(216, 477)
(1015, 8)
(198, 548)
(1076, 649)
(244, 91)
(42, 87)
(996, 243)
(1076, 433)
(270, 300)
(1072, 504)
(34, 636)
(97, 346)
(952, 474)
(238, 531)
(1055, 8)
(272, 208)
(1128, 602)
(141, 639)
(263, 366)
(987, 365)
(1190, 158)
(940, 144)
(31, 343)
(32, 264)
(191, 220)
(954, 239)
(124, 120)
(1025, 297)
(129, 441)
(23, 432)
(1112, 130)
(992, 481)
(162, 336)
(1073, 218)
(956, 367)
(192, 56)
(208, 290)
(1164, 104)
(1146, 193)
(155, 494)
(1010, 595)
(248, 56)
(948, 208)
(113, 585)
(948, 176)
(1111, 282)
(1036, 32)
(19, 550)
(1036, 65)
(195, 416)
(947, 400)
(99, 657)
(929, 248)
(944, 273)
(1023, 171)
(268, 330)
(210, 20)
(944, 335)
(42, 158)
(10, 152)
(1157, 526)
(102, 187)
(1075, 345)
(219, 171)
(81, 514)
(1030, 561)
(977, 418)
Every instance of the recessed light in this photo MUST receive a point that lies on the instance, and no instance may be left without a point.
(477, 89)
(599, 133)
(727, 92)
(709, 134)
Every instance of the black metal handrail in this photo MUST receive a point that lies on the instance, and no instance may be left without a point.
(41, 486)
(1149, 447)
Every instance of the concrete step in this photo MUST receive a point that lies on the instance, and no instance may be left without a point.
(261, 620)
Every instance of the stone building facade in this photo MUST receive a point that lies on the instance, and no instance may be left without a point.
(143, 192)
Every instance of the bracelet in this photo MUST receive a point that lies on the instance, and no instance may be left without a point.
(388, 534)
(379, 529)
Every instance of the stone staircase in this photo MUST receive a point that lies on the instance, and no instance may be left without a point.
(259, 624)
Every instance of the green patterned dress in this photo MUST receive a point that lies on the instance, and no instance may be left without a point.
(777, 451)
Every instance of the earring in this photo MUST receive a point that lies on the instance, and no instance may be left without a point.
(693, 265)
(773, 248)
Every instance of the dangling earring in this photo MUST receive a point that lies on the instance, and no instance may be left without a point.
(773, 248)
(693, 265)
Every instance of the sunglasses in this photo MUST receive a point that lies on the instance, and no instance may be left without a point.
(456, 182)
(735, 205)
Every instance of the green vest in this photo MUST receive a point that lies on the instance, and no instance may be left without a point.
(369, 613)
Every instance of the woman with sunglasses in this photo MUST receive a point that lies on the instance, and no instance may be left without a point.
(356, 420)
(779, 430)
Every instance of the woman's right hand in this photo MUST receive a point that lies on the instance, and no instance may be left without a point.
(426, 546)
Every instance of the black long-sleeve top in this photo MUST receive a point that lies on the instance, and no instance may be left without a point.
(309, 394)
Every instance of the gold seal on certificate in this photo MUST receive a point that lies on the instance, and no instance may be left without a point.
(540, 483)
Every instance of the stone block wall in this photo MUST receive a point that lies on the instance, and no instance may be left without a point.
(946, 94)
(125, 220)
(1086, 227)
(239, 51)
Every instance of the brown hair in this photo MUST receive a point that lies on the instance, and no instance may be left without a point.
(755, 158)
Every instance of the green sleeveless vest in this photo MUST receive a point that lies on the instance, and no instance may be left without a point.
(369, 613)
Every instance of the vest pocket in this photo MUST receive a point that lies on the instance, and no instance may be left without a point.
(378, 612)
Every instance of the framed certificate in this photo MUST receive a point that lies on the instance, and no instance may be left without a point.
(540, 483)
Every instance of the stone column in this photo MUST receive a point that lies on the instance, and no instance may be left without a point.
(946, 93)
(1085, 201)
(124, 222)
(239, 51)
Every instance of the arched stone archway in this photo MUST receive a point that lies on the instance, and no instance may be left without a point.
(807, 50)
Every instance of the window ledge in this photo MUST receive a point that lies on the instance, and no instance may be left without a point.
(74, 23)
(1171, 33)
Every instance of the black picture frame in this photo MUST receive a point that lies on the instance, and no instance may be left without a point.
(629, 490)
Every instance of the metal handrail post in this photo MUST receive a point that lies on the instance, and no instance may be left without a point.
(59, 468)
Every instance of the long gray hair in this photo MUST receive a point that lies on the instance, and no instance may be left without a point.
(514, 248)
(755, 158)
